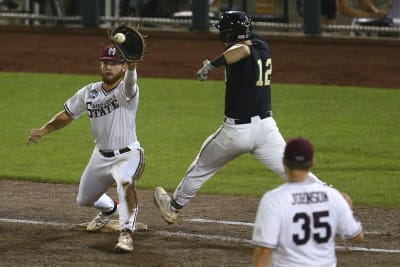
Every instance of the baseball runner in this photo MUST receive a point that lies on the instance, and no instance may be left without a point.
(111, 106)
(297, 222)
(248, 125)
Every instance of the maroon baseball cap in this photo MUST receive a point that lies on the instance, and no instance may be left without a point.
(110, 52)
(299, 150)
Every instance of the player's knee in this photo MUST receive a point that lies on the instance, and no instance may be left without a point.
(82, 201)
(127, 186)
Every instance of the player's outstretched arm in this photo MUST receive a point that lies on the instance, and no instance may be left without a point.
(236, 53)
(232, 55)
(59, 121)
(130, 79)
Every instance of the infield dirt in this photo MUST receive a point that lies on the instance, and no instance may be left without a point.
(37, 229)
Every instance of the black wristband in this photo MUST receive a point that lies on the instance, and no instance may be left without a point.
(218, 61)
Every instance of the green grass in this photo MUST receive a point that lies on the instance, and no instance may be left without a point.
(354, 132)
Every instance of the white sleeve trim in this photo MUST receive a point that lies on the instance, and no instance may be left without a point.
(348, 237)
(264, 244)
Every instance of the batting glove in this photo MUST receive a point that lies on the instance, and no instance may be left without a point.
(205, 70)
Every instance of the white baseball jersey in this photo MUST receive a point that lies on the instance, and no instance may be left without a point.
(300, 221)
(112, 117)
(112, 114)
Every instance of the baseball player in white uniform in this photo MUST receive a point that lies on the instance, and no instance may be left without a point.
(297, 222)
(111, 106)
(248, 127)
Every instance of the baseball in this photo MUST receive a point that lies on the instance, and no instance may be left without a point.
(119, 37)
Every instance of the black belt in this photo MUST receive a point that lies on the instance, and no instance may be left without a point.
(248, 120)
(109, 154)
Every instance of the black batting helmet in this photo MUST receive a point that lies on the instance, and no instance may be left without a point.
(234, 26)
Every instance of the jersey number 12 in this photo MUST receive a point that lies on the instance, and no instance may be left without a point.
(266, 80)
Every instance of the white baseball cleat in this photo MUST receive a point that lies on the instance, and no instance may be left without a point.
(124, 242)
(101, 220)
(163, 202)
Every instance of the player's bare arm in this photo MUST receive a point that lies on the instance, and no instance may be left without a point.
(131, 65)
(236, 53)
(59, 121)
(368, 5)
(262, 257)
(358, 238)
(232, 55)
(344, 8)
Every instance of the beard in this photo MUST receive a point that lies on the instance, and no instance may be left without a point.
(109, 78)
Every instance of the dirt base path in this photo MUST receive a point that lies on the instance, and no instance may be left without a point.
(37, 219)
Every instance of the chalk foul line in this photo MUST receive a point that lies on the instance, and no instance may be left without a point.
(199, 220)
(242, 241)
(248, 242)
(33, 222)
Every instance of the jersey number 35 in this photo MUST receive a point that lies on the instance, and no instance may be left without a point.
(308, 229)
